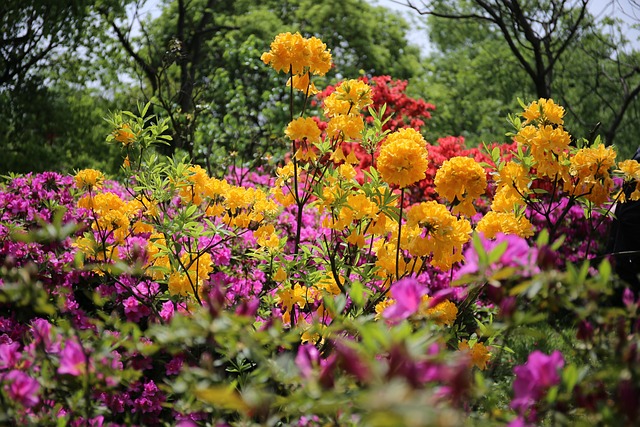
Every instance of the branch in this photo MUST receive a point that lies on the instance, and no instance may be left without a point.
(149, 71)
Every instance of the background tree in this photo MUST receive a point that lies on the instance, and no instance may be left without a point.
(503, 49)
(50, 102)
(198, 62)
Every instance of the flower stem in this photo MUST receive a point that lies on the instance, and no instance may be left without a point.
(399, 235)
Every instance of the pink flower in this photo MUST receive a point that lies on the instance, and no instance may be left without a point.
(167, 311)
(9, 355)
(73, 361)
(534, 378)
(407, 294)
(22, 388)
(42, 333)
(307, 358)
(134, 310)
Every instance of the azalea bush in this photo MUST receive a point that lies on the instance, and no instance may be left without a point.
(372, 279)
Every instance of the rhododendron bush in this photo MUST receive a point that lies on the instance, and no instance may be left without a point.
(373, 279)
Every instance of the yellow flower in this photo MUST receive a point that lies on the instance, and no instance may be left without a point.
(506, 199)
(440, 235)
(350, 125)
(631, 171)
(346, 171)
(280, 276)
(590, 166)
(288, 52)
(320, 56)
(548, 146)
(504, 222)
(514, 175)
(303, 84)
(355, 92)
(350, 97)
(479, 353)
(303, 128)
(512, 185)
(89, 178)
(298, 54)
(544, 110)
(630, 168)
(124, 135)
(553, 113)
(461, 180)
(381, 307)
(179, 284)
(403, 158)
(444, 313)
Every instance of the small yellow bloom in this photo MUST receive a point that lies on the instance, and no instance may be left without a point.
(303, 84)
(438, 234)
(280, 275)
(479, 353)
(124, 135)
(89, 178)
(292, 52)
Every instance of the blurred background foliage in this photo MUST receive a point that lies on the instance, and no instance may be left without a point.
(65, 64)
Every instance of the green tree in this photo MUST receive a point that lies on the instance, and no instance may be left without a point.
(52, 101)
(200, 62)
(488, 53)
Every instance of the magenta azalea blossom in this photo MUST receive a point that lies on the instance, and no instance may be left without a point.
(518, 254)
(534, 378)
(73, 361)
(9, 355)
(22, 388)
(407, 295)
(307, 358)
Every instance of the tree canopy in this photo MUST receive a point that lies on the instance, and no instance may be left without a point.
(489, 53)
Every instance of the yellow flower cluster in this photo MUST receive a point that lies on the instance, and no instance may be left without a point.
(549, 146)
(512, 186)
(478, 353)
(444, 313)
(124, 135)
(590, 169)
(89, 178)
(299, 56)
(344, 106)
(292, 52)
(544, 111)
(631, 171)
(437, 233)
(112, 214)
(303, 128)
(236, 205)
(193, 270)
(303, 296)
(403, 158)
(504, 222)
(461, 180)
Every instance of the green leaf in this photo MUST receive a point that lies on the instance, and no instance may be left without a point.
(222, 397)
